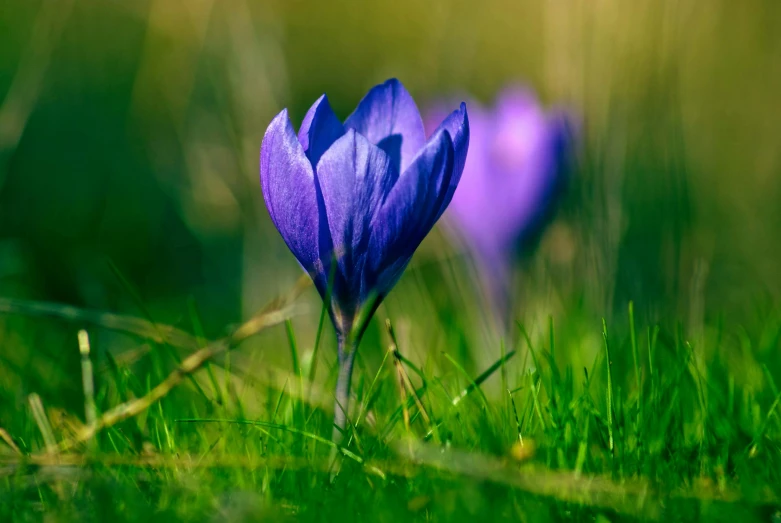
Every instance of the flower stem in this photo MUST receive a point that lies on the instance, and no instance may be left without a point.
(347, 350)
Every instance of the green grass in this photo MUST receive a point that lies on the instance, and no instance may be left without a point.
(656, 427)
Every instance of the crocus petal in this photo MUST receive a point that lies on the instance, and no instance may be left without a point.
(409, 212)
(389, 118)
(354, 177)
(457, 125)
(319, 130)
(288, 185)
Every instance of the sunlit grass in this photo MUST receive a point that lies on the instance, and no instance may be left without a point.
(650, 430)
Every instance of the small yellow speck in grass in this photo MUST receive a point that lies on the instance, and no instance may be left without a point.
(523, 451)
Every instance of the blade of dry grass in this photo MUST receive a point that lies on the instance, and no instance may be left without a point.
(6, 437)
(274, 313)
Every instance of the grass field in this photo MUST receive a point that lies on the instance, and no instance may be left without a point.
(163, 359)
(656, 426)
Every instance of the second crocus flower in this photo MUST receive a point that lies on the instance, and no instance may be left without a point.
(518, 161)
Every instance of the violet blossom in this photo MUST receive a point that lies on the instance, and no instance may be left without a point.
(517, 165)
(353, 201)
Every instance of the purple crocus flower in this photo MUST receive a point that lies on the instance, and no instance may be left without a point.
(353, 201)
(515, 170)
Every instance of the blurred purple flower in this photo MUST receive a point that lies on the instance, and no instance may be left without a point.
(516, 168)
(353, 201)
